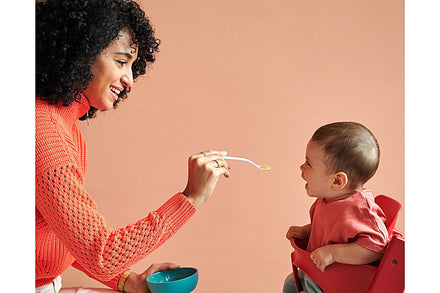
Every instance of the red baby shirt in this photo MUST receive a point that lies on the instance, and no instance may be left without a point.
(354, 219)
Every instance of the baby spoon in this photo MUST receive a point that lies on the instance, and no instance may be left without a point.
(261, 167)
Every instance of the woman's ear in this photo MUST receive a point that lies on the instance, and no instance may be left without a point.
(340, 180)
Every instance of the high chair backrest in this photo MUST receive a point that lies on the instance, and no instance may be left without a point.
(391, 208)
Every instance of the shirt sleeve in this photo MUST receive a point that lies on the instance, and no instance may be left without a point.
(99, 250)
(366, 228)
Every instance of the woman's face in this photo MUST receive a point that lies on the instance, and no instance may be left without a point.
(112, 72)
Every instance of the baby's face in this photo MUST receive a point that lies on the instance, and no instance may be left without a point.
(314, 172)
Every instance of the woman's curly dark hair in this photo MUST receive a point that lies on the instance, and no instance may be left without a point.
(71, 34)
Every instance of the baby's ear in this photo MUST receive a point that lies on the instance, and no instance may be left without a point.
(340, 180)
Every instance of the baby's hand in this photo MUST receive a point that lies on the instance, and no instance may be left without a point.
(322, 257)
(299, 232)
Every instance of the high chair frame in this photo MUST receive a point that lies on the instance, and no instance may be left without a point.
(385, 277)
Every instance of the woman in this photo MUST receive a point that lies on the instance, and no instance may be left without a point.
(88, 55)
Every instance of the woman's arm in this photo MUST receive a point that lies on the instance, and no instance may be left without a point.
(102, 251)
(112, 283)
(347, 253)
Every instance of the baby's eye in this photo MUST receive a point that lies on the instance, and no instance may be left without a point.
(308, 164)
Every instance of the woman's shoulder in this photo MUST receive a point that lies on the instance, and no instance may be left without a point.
(51, 143)
(43, 110)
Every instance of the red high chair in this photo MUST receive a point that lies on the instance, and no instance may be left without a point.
(385, 277)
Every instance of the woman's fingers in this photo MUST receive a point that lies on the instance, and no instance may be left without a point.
(157, 267)
(136, 282)
(204, 169)
(222, 168)
(216, 158)
(209, 152)
(211, 158)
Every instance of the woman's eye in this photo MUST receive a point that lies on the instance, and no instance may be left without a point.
(121, 62)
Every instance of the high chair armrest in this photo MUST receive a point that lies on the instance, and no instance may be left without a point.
(337, 277)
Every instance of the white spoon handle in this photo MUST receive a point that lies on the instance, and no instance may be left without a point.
(239, 159)
(245, 160)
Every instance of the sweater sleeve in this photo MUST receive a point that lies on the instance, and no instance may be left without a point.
(101, 251)
(113, 283)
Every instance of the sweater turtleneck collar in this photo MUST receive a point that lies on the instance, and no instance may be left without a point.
(75, 111)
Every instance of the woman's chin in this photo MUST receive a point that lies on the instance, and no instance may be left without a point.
(104, 107)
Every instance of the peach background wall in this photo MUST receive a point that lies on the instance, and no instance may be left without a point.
(254, 78)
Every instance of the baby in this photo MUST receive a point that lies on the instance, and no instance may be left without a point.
(346, 224)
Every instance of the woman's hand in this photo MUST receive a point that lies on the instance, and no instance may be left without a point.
(204, 170)
(137, 283)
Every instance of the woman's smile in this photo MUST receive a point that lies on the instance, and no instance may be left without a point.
(115, 92)
(112, 72)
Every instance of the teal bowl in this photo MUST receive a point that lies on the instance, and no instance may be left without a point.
(181, 280)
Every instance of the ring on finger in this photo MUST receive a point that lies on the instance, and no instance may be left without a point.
(218, 165)
(203, 153)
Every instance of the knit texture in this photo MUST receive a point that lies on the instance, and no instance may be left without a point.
(69, 230)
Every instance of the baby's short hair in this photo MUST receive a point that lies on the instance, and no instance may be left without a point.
(349, 147)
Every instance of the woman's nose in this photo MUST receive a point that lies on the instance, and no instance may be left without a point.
(127, 79)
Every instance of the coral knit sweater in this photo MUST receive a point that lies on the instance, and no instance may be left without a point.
(68, 227)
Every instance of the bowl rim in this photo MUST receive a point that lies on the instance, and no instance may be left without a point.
(196, 271)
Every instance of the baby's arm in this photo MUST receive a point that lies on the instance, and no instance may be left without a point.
(299, 232)
(347, 253)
